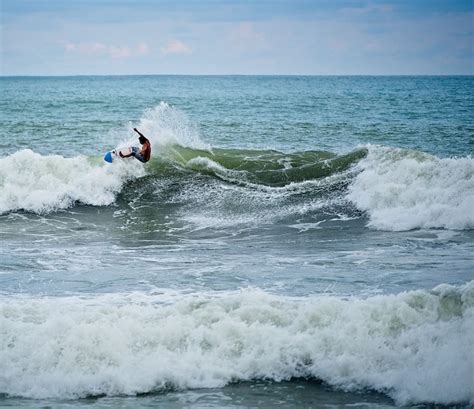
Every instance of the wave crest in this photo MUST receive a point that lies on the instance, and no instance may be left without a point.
(403, 190)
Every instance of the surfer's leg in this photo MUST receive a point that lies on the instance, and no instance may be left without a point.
(136, 154)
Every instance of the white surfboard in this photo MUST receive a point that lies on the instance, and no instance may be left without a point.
(115, 154)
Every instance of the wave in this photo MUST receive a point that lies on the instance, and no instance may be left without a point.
(405, 345)
(397, 189)
(269, 168)
(43, 184)
(403, 190)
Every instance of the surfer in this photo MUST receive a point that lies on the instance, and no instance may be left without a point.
(143, 154)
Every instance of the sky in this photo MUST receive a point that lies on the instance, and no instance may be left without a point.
(207, 37)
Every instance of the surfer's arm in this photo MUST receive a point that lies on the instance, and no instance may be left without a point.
(139, 133)
(125, 156)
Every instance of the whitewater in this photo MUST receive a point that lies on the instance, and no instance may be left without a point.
(279, 247)
(404, 345)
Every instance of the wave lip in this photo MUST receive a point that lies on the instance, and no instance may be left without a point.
(404, 190)
(42, 184)
(414, 346)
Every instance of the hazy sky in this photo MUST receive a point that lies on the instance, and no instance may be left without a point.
(67, 37)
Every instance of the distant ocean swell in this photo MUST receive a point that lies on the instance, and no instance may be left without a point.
(415, 346)
(397, 189)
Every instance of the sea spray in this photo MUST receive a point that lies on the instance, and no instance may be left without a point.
(414, 346)
(165, 125)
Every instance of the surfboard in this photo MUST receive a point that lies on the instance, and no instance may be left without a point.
(115, 154)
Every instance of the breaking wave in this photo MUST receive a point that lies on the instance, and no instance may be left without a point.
(43, 184)
(397, 189)
(414, 346)
(403, 190)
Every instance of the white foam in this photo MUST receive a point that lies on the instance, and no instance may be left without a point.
(41, 184)
(415, 346)
(403, 190)
(205, 164)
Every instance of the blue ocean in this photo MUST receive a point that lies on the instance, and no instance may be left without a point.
(294, 241)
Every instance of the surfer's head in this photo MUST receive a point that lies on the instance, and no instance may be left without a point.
(142, 139)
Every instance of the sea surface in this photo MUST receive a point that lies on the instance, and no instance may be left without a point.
(294, 242)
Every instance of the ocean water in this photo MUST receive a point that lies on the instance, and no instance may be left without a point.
(294, 242)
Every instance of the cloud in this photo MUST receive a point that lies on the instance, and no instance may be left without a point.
(86, 48)
(246, 37)
(120, 52)
(175, 47)
(143, 49)
(101, 49)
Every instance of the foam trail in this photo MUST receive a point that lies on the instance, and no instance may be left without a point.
(403, 190)
(42, 184)
(414, 346)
